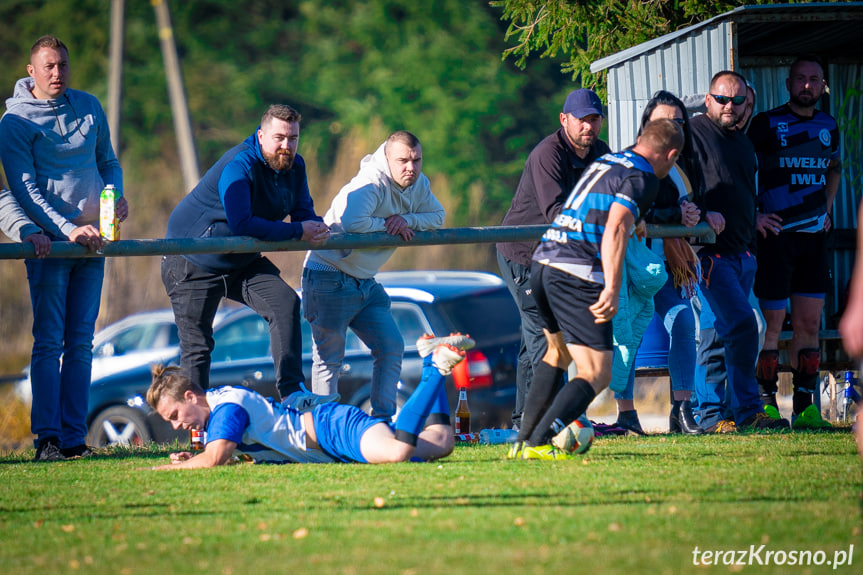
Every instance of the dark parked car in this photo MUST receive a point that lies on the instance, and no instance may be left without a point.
(438, 302)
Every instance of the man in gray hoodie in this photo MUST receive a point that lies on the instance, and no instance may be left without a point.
(389, 194)
(56, 151)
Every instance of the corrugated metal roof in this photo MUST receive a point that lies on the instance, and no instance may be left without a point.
(772, 30)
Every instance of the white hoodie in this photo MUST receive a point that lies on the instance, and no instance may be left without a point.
(363, 205)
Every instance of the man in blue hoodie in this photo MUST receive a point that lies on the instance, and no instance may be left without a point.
(56, 150)
(248, 192)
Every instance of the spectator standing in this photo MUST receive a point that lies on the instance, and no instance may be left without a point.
(674, 205)
(798, 177)
(728, 267)
(711, 399)
(56, 150)
(248, 192)
(389, 194)
(550, 173)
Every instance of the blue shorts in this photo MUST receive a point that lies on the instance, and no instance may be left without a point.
(339, 428)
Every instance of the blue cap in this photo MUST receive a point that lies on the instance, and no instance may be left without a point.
(583, 102)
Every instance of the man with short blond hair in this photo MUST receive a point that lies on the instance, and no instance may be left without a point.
(389, 194)
(56, 150)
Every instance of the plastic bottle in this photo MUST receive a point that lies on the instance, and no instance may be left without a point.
(493, 436)
(462, 413)
(848, 396)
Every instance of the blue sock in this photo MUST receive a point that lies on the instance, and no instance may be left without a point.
(413, 414)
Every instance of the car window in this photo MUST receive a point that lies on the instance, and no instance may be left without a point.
(245, 338)
(141, 337)
(473, 315)
(411, 320)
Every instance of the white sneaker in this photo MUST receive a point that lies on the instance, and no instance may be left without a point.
(445, 357)
(428, 343)
(306, 400)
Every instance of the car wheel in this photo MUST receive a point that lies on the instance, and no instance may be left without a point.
(118, 425)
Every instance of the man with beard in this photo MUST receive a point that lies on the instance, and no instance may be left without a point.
(550, 173)
(248, 192)
(728, 267)
(799, 173)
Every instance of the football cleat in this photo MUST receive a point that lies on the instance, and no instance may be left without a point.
(809, 418)
(515, 450)
(544, 453)
(428, 343)
(446, 357)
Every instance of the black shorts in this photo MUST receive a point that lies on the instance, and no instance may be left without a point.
(792, 263)
(563, 301)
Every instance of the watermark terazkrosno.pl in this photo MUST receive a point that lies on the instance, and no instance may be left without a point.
(762, 555)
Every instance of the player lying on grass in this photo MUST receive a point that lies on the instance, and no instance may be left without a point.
(239, 421)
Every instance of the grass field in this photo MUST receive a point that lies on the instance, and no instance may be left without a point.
(632, 505)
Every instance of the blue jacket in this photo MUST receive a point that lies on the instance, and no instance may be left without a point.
(241, 195)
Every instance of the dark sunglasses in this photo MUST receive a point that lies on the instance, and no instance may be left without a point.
(680, 121)
(723, 100)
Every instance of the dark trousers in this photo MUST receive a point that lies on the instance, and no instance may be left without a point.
(195, 296)
(533, 342)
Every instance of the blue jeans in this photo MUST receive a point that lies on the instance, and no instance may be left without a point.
(728, 281)
(679, 321)
(65, 293)
(195, 296)
(333, 302)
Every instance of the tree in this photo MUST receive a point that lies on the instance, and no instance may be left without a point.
(579, 32)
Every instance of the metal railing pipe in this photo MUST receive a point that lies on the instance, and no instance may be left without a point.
(239, 244)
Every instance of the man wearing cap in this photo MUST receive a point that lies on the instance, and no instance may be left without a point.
(550, 173)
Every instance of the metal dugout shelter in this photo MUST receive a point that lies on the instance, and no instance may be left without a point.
(760, 42)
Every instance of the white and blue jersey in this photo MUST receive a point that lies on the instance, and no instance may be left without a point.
(262, 428)
(794, 155)
(572, 243)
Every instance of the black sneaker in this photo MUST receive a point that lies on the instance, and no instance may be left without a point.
(762, 421)
(77, 452)
(49, 450)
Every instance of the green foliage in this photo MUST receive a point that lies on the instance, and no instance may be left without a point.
(633, 505)
(578, 32)
(350, 67)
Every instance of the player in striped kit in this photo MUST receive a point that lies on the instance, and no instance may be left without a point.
(798, 177)
(576, 280)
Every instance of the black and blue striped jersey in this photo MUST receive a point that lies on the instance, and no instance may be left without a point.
(794, 155)
(572, 243)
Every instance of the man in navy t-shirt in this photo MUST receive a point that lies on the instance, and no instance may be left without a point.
(798, 177)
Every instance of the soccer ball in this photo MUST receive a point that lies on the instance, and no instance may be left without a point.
(577, 437)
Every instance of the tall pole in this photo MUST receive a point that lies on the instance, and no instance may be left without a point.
(176, 92)
(115, 71)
